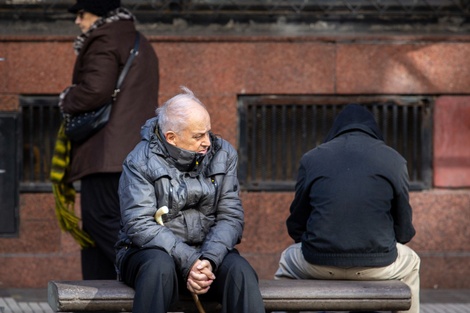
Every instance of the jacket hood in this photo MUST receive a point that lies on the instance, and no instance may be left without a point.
(184, 160)
(354, 117)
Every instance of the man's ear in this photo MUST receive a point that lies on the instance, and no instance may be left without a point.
(170, 138)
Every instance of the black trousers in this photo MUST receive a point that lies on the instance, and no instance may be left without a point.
(152, 273)
(101, 220)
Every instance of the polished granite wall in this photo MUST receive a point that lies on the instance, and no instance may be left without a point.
(218, 68)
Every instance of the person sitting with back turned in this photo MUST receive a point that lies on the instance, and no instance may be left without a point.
(181, 170)
(351, 216)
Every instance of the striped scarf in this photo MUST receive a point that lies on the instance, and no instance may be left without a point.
(64, 193)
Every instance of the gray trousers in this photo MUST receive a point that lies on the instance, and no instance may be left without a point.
(405, 268)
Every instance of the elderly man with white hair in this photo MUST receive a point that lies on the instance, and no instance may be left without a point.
(182, 215)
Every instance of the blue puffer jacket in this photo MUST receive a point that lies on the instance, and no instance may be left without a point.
(205, 218)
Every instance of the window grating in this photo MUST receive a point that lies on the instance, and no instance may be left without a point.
(40, 122)
(9, 168)
(275, 131)
(221, 11)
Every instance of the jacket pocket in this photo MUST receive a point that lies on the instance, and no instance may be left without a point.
(197, 225)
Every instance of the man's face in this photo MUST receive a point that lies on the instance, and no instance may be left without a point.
(195, 137)
(84, 20)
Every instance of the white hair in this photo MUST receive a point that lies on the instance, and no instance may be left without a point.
(174, 113)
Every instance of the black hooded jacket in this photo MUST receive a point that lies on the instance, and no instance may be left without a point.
(351, 204)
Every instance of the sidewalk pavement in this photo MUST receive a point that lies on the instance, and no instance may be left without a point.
(432, 301)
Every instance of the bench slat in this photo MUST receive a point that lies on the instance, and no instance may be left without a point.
(278, 295)
(333, 289)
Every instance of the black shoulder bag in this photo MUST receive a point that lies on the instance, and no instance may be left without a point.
(79, 127)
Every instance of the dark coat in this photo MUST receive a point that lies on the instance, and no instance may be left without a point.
(96, 71)
(351, 204)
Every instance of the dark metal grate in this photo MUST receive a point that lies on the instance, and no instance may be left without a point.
(220, 11)
(275, 131)
(41, 120)
(9, 168)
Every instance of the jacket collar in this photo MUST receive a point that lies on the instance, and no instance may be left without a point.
(184, 160)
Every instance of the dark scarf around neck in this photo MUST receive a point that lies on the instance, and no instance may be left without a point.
(112, 16)
(184, 160)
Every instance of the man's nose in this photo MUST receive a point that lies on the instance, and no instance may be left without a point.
(207, 140)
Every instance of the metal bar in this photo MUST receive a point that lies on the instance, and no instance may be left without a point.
(40, 144)
(283, 155)
(395, 127)
(264, 134)
(243, 163)
(294, 148)
(52, 126)
(324, 129)
(415, 124)
(314, 131)
(405, 132)
(252, 146)
(385, 121)
(30, 143)
(274, 142)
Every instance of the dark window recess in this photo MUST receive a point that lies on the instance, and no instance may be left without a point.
(9, 168)
(40, 123)
(275, 131)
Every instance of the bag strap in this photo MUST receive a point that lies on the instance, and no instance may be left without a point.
(134, 53)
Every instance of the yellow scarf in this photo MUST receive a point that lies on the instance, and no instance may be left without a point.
(64, 193)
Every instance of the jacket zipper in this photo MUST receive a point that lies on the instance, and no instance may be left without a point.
(216, 186)
(170, 198)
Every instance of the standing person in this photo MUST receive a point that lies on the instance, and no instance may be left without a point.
(108, 34)
(351, 216)
(181, 166)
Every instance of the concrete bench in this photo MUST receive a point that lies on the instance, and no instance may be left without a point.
(278, 295)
